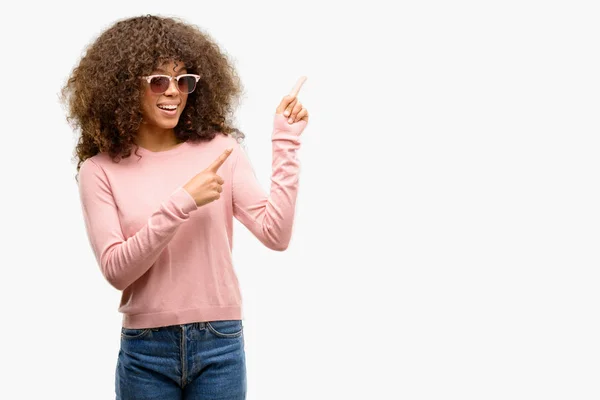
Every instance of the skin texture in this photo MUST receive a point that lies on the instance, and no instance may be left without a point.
(291, 106)
(157, 131)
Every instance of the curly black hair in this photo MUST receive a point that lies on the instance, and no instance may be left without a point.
(103, 92)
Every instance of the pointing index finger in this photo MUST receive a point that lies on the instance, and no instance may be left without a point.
(296, 88)
(219, 161)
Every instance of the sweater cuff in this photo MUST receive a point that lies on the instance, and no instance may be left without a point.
(183, 200)
(282, 130)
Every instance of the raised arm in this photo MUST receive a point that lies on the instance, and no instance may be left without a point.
(270, 217)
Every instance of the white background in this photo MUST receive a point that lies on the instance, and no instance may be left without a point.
(446, 241)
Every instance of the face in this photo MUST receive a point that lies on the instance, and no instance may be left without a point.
(162, 110)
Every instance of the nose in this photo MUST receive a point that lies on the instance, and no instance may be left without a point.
(172, 89)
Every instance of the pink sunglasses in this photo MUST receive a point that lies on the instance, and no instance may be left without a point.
(186, 83)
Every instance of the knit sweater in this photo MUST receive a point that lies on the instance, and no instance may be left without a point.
(171, 259)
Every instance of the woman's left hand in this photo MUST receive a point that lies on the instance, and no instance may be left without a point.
(291, 107)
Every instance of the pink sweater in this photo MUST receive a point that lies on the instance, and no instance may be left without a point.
(172, 259)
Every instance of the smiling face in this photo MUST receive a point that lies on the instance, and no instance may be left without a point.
(162, 110)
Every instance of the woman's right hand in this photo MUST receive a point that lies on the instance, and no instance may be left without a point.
(206, 186)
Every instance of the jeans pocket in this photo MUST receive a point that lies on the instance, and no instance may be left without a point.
(129, 333)
(226, 329)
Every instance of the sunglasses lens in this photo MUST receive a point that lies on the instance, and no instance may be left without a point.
(159, 84)
(187, 84)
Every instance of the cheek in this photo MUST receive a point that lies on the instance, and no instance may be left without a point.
(148, 102)
(184, 98)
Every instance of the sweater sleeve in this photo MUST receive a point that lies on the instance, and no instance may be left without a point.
(122, 261)
(270, 216)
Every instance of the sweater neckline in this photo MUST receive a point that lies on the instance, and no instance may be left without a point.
(163, 153)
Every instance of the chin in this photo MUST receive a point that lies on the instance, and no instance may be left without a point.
(167, 123)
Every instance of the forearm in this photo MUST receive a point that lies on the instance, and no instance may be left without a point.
(122, 261)
(271, 216)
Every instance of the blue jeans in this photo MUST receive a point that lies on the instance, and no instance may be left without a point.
(202, 360)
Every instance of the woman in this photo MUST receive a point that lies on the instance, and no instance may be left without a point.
(161, 175)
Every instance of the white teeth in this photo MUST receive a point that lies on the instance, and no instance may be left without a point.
(165, 107)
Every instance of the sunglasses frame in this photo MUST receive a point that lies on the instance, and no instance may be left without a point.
(150, 77)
